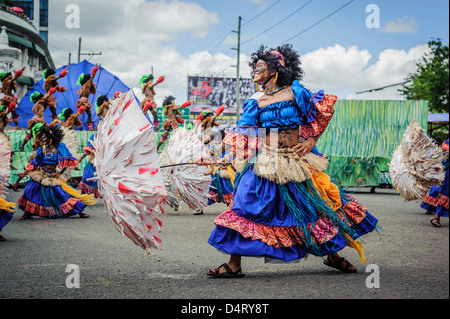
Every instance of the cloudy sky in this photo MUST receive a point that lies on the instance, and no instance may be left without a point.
(346, 46)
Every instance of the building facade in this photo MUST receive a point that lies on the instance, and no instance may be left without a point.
(23, 42)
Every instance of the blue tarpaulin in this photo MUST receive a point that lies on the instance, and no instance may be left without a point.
(106, 83)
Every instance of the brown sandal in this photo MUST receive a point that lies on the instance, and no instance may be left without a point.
(338, 265)
(435, 222)
(229, 274)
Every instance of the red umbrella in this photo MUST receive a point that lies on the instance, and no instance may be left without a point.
(17, 9)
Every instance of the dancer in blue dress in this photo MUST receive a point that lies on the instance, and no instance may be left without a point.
(284, 205)
(46, 193)
(221, 189)
(436, 202)
(89, 186)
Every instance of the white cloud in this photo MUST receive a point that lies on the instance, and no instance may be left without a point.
(342, 71)
(401, 25)
(133, 36)
(138, 35)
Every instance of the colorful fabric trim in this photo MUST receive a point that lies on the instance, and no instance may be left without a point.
(322, 117)
(440, 200)
(42, 211)
(277, 236)
(243, 140)
(68, 163)
(89, 149)
(87, 189)
(322, 230)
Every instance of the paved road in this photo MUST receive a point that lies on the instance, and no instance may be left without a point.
(412, 258)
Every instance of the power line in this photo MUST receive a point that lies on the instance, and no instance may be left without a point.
(248, 21)
(285, 18)
(310, 27)
(218, 43)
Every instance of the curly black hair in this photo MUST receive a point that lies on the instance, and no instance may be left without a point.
(86, 78)
(288, 73)
(168, 100)
(101, 99)
(67, 113)
(150, 78)
(51, 133)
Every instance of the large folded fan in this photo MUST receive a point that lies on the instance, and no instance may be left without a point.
(128, 172)
(5, 158)
(187, 182)
(416, 164)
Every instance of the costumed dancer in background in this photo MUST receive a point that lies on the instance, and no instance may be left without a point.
(284, 205)
(6, 208)
(6, 214)
(46, 194)
(41, 102)
(37, 135)
(9, 100)
(208, 122)
(86, 81)
(86, 186)
(101, 106)
(222, 174)
(171, 111)
(436, 202)
(51, 86)
(148, 103)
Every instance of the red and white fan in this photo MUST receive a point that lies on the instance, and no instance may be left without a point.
(187, 181)
(128, 172)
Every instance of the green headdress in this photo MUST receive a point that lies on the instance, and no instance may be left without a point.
(83, 78)
(4, 75)
(100, 100)
(64, 115)
(35, 96)
(48, 72)
(146, 78)
(36, 128)
(206, 113)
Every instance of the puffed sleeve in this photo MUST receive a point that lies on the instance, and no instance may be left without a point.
(245, 135)
(65, 158)
(317, 109)
(89, 148)
(36, 161)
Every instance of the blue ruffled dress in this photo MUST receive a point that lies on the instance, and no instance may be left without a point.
(89, 186)
(437, 199)
(42, 196)
(288, 221)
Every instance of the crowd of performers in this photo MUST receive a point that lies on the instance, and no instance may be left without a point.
(280, 204)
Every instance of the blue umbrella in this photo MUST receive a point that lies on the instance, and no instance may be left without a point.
(106, 83)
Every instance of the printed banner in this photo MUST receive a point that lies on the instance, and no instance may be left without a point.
(211, 92)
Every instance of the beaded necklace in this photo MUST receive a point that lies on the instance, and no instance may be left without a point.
(273, 92)
(46, 154)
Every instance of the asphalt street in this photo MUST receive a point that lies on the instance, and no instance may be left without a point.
(409, 259)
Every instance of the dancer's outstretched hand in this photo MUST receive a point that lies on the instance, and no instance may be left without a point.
(204, 160)
(305, 147)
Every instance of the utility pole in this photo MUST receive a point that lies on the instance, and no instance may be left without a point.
(238, 49)
(80, 54)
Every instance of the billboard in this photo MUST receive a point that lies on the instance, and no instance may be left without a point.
(208, 93)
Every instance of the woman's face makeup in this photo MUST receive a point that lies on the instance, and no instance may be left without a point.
(261, 72)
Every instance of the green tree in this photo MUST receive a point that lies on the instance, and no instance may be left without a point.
(431, 80)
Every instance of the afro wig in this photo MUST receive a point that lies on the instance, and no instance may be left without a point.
(51, 134)
(283, 59)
